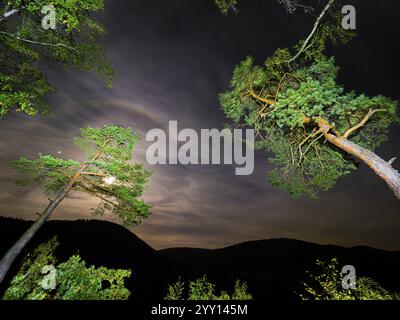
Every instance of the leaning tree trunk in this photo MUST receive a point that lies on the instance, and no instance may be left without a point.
(16, 249)
(380, 166)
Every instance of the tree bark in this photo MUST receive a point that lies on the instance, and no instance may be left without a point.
(382, 168)
(16, 249)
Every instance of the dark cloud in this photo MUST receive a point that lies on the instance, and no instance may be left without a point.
(172, 59)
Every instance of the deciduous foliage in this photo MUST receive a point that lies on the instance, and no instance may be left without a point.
(202, 289)
(25, 45)
(107, 174)
(326, 284)
(316, 130)
(73, 279)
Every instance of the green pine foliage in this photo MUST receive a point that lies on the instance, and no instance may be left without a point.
(25, 45)
(202, 289)
(74, 280)
(108, 153)
(326, 284)
(285, 98)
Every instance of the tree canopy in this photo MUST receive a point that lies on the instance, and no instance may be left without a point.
(25, 45)
(298, 109)
(202, 289)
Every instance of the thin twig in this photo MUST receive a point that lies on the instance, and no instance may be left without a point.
(313, 31)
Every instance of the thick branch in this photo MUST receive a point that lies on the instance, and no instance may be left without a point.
(363, 122)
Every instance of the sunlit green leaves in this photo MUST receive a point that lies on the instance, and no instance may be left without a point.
(76, 281)
(23, 91)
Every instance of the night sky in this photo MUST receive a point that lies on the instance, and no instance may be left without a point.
(172, 59)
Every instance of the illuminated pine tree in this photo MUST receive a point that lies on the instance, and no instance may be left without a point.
(107, 174)
(301, 114)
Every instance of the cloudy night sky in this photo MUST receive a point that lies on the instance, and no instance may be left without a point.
(172, 59)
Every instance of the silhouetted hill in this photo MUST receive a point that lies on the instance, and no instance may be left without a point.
(273, 269)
